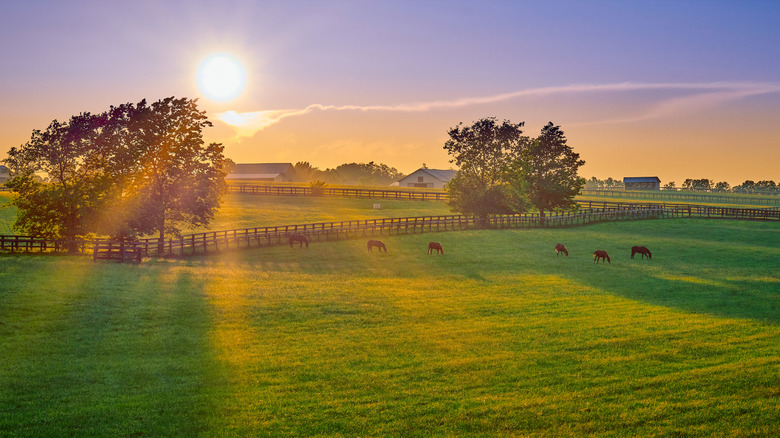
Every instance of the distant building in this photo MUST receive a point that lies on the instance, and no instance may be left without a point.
(5, 174)
(277, 172)
(430, 178)
(642, 183)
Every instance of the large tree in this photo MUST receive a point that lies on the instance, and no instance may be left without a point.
(135, 169)
(484, 152)
(549, 168)
(65, 205)
(179, 179)
(502, 171)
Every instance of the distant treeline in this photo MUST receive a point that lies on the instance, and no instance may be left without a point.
(694, 185)
(366, 174)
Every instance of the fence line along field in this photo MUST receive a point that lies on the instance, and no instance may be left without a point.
(498, 337)
(205, 242)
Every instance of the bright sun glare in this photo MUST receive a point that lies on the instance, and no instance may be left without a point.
(221, 77)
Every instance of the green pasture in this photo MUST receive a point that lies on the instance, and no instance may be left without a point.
(249, 211)
(498, 337)
(735, 200)
(7, 214)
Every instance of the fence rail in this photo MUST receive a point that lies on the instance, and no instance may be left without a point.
(213, 241)
(269, 190)
(698, 197)
(333, 192)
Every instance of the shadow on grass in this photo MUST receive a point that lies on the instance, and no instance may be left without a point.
(112, 350)
(725, 269)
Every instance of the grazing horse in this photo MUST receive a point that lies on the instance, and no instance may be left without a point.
(300, 238)
(601, 255)
(376, 243)
(435, 246)
(561, 248)
(641, 250)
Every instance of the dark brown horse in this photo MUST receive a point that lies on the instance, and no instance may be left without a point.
(601, 255)
(435, 246)
(378, 244)
(641, 250)
(561, 248)
(300, 238)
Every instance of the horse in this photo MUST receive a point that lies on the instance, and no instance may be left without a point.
(600, 254)
(641, 250)
(376, 243)
(300, 238)
(561, 248)
(435, 246)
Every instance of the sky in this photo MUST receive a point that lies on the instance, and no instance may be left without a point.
(675, 89)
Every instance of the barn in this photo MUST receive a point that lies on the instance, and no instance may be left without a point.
(277, 172)
(642, 183)
(430, 178)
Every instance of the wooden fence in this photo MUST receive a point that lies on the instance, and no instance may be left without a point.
(696, 197)
(333, 192)
(213, 241)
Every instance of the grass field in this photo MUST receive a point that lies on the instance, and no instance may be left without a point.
(735, 200)
(497, 337)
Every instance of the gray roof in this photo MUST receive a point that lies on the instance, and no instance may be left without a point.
(265, 168)
(636, 179)
(444, 175)
(440, 174)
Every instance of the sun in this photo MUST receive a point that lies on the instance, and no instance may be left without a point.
(221, 77)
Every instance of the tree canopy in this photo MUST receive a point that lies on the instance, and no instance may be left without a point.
(134, 169)
(549, 167)
(502, 171)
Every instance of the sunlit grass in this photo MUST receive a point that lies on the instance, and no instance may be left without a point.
(732, 200)
(7, 214)
(249, 211)
(497, 337)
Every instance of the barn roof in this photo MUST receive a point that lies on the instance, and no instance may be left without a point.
(440, 174)
(261, 168)
(639, 179)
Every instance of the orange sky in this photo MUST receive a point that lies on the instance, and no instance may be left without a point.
(639, 88)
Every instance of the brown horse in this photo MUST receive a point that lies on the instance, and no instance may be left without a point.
(376, 243)
(435, 246)
(641, 250)
(561, 248)
(601, 255)
(300, 238)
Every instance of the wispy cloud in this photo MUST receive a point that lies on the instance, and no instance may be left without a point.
(696, 96)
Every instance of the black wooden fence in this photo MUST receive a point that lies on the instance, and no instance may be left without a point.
(208, 242)
(688, 196)
(333, 192)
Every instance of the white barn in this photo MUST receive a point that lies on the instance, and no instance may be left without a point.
(430, 178)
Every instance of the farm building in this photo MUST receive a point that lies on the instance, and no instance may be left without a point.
(431, 178)
(642, 183)
(4, 174)
(277, 172)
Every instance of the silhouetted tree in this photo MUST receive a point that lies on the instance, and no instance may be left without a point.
(135, 169)
(549, 168)
(699, 185)
(722, 186)
(65, 206)
(484, 153)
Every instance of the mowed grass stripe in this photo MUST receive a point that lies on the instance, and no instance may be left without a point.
(497, 337)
